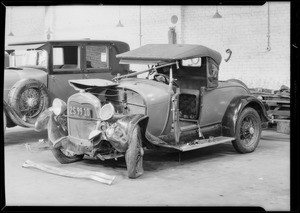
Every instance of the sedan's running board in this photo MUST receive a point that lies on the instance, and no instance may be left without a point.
(197, 144)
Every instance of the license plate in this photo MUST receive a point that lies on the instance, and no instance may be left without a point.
(80, 111)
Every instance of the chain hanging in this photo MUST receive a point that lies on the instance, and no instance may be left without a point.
(268, 35)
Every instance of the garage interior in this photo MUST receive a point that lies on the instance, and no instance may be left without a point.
(254, 42)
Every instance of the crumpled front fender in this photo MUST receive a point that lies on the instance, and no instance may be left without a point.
(119, 133)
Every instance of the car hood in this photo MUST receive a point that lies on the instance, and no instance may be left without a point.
(13, 75)
(152, 91)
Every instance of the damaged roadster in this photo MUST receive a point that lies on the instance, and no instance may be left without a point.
(180, 105)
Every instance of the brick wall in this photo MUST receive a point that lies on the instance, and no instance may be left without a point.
(243, 29)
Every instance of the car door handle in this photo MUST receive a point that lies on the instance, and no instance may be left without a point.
(86, 76)
(53, 77)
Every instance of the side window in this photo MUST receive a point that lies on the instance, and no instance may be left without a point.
(66, 58)
(193, 62)
(213, 71)
(96, 57)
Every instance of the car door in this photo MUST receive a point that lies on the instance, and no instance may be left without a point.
(65, 64)
(97, 61)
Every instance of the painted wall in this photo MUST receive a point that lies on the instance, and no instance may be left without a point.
(243, 29)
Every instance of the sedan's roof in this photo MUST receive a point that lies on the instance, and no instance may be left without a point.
(64, 41)
(37, 44)
(168, 52)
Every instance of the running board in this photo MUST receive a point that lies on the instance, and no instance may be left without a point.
(200, 143)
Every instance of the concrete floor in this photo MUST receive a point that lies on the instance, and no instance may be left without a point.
(212, 176)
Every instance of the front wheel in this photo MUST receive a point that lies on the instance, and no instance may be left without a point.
(64, 156)
(134, 154)
(248, 131)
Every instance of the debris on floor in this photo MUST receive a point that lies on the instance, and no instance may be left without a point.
(97, 176)
(41, 145)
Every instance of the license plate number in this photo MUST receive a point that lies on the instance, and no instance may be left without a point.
(79, 111)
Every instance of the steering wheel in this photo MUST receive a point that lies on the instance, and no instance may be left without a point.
(164, 78)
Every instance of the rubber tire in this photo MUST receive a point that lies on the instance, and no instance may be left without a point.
(134, 154)
(4, 122)
(64, 159)
(17, 90)
(238, 143)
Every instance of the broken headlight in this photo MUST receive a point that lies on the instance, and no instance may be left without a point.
(58, 106)
(107, 112)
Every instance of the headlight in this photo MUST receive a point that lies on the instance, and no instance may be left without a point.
(58, 106)
(95, 133)
(107, 112)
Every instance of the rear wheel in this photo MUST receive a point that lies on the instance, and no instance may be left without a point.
(248, 131)
(134, 154)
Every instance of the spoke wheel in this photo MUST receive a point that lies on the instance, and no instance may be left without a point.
(30, 103)
(248, 131)
(28, 98)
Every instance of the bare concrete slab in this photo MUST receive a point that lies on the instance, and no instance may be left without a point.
(211, 176)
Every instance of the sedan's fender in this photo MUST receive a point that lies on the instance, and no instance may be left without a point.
(119, 133)
(234, 109)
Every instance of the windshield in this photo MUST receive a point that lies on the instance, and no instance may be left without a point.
(28, 58)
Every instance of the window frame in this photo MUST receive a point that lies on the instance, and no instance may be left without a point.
(78, 69)
(97, 70)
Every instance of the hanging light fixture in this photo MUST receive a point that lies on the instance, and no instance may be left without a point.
(48, 33)
(217, 14)
(140, 35)
(119, 24)
(268, 35)
(10, 20)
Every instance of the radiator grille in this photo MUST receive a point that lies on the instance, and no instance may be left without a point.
(80, 119)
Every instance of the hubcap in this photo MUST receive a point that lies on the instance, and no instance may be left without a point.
(251, 130)
(29, 103)
(247, 132)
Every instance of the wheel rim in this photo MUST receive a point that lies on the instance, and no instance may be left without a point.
(249, 130)
(30, 103)
(67, 153)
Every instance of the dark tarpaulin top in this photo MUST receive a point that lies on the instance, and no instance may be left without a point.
(168, 52)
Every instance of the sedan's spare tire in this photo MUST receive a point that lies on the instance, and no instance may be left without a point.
(28, 98)
(4, 122)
